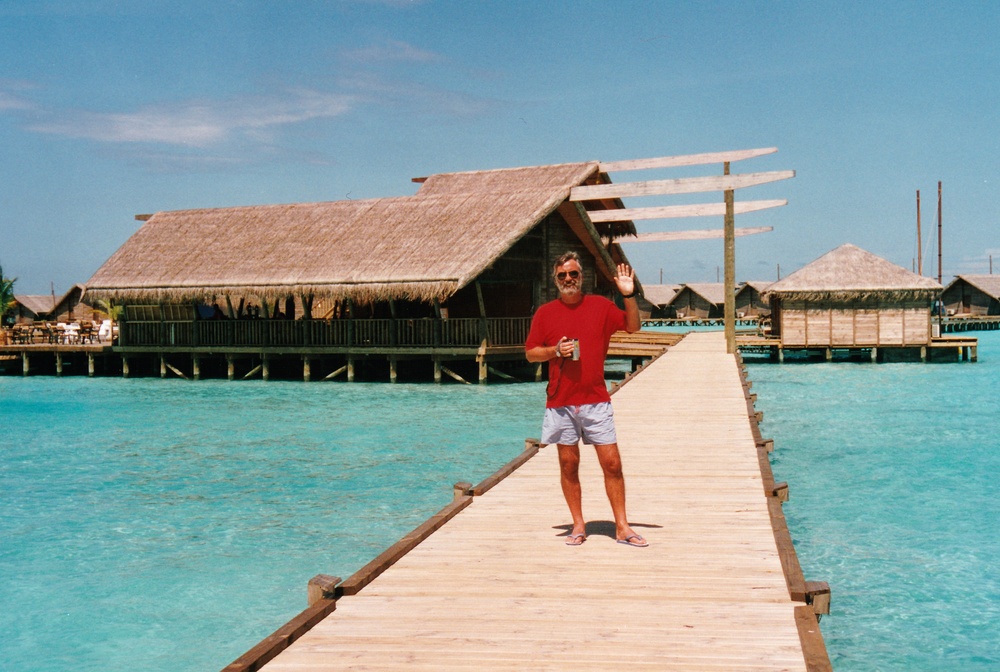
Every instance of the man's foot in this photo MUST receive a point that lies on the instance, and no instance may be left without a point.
(576, 539)
(634, 540)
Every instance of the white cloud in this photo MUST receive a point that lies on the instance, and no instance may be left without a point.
(391, 51)
(200, 123)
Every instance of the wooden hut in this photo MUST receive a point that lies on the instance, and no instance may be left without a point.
(699, 301)
(31, 307)
(972, 295)
(455, 270)
(656, 300)
(70, 307)
(852, 298)
(750, 301)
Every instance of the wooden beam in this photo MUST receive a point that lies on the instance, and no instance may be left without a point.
(685, 160)
(697, 234)
(579, 222)
(672, 211)
(683, 185)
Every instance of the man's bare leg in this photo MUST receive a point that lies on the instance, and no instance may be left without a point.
(569, 476)
(614, 484)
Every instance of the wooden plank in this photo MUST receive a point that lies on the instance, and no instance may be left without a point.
(685, 160)
(683, 185)
(695, 234)
(673, 211)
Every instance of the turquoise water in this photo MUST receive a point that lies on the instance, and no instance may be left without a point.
(893, 475)
(168, 525)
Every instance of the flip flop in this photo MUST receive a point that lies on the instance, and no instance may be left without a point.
(576, 539)
(638, 543)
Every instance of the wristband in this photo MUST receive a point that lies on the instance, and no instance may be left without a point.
(628, 296)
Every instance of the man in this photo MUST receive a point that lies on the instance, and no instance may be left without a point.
(572, 334)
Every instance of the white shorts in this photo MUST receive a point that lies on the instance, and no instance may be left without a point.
(594, 424)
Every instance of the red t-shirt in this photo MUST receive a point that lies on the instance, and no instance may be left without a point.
(591, 321)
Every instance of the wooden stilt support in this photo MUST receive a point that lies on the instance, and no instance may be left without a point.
(177, 371)
(462, 489)
(90, 364)
(350, 369)
(195, 367)
(252, 372)
(437, 370)
(124, 366)
(392, 369)
(25, 364)
(230, 367)
(306, 370)
(538, 372)
(501, 374)
(483, 370)
(163, 366)
(455, 375)
(321, 587)
(336, 373)
(59, 367)
(265, 369)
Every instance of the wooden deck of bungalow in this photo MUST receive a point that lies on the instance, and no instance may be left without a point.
(488, 583)
(940, 349)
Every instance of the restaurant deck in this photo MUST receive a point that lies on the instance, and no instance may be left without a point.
(490, 583)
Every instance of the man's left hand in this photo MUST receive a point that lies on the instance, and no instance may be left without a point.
(625, 279)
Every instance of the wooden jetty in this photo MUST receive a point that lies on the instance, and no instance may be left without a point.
(937, 349)
(488, 583)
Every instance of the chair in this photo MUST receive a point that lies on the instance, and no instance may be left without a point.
(104, 332)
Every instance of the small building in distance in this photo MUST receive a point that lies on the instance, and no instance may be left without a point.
(750, 301)
(851, 298)
(656, 300)
(70, 307)
(972, 295)
(705, 300)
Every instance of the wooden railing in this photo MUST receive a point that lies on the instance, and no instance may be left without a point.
(381, 333)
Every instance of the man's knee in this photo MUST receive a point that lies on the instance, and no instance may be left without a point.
(610, 459)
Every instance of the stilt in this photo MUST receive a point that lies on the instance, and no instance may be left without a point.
(230, 367)
(483, 370)
(923, 353)
(163, 366)
(265, 368)
(392, 369)
(437, 370)
(25, 364)
(828, 354)
(350, 369)
(90, 364)
(306, 370)
(124, 366)
(874, 355)
(538, 372)
(781, 355)
(195, 367)
(58, 363)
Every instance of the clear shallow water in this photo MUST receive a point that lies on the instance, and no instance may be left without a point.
(893, 475)
(168, 525)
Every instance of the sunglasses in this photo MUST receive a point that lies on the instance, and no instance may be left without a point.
(572, 274)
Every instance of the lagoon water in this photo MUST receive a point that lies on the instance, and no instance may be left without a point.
(168, 525)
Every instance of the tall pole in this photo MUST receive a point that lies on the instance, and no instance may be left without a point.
(939, 234)
(920, 240)
(729, 277)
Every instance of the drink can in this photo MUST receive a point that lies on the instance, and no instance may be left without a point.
(576, 350)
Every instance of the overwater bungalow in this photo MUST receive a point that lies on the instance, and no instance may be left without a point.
(699, 301)
(450, 275)
(70, 307)
(750, 301)
(656, 300)
(972, 295)
(851, 299)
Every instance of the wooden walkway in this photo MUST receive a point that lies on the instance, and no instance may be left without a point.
(496, 588)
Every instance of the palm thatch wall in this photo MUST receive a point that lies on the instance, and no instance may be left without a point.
(423, 247)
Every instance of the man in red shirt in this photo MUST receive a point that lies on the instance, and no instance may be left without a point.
(572, 334)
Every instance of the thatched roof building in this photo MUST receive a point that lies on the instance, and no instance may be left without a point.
(750, 301)
(424, 247)
(851, 297)
(973, 295)
(699, 300)
(69, 307)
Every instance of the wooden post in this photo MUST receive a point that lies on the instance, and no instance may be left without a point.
(90, 364)
(350, 369)
(59, 367)
(538, 372)
(392, 368)
(25, 363)
(437, 370)
(483, 370)
(729, 275)
(461, 488)
(163, 367)
(195, 367)
(306, 369)
(124, 366)
(320, 587)
(230, 367)
(265, 368)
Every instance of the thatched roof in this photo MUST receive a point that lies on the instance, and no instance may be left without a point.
(757, 285)
(659, 295)
(421, 247)
(713, 292)
(987, 284)
(850, 273)
(39, 304)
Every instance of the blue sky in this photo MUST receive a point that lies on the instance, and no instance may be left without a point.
(109, 109)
